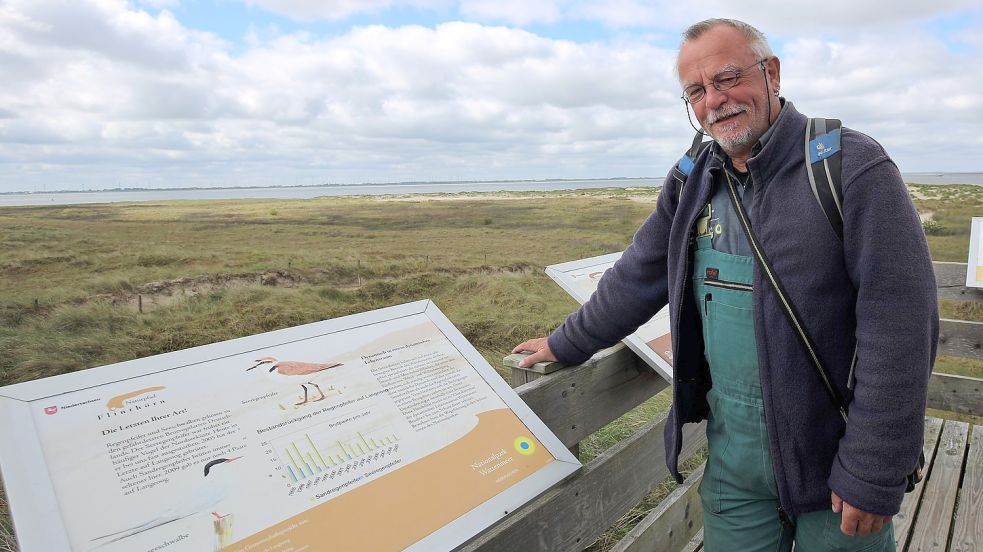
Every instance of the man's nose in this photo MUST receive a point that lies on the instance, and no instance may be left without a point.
(713, 98)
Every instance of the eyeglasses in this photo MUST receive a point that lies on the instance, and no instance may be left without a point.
(724, 80)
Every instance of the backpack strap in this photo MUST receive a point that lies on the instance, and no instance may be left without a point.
(823, 154)
(685, 164)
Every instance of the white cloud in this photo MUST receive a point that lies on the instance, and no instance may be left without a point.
(910, 99)
(98, 93)
(828, 16)
(783, 17)
(458, 100)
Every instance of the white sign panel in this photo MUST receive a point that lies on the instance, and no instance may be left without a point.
(652, 341)
(379, 431)
(974, 268)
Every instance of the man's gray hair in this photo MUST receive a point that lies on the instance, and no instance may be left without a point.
(755, 39)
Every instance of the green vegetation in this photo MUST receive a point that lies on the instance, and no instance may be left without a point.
(77, 276)
(89, 285)
(947, 212)
(934, 228)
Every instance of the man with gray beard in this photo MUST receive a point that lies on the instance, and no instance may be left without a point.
(783, 464)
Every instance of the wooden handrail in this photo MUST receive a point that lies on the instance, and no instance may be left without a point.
(578, 401)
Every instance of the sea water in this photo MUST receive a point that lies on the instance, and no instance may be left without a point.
(307, 192)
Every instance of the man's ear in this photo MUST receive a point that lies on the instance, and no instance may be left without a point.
(774, 69)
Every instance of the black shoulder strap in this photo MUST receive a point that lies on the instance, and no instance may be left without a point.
(822, 143)
(684, 166)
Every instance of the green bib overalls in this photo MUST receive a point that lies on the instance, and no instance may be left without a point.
(738, 492)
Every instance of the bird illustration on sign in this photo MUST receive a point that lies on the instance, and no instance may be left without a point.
(216, 484)
(297, 372)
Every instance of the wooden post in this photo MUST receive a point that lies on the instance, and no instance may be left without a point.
(37, 304)
(140, 303)
(358, 272)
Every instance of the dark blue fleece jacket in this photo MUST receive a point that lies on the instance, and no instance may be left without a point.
(874, 293)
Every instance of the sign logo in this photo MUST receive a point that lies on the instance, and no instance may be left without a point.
(524, 445)
(822, 149)
(49, 410)
(713, 273)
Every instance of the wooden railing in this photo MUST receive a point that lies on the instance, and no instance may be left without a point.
(576, 401)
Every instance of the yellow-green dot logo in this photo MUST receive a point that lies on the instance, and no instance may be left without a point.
(524, 445)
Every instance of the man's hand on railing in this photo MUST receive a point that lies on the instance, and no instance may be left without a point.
(540, 350)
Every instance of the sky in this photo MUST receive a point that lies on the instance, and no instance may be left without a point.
(101, 94)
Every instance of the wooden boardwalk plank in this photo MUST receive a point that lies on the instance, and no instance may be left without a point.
(931, 531)
(906, 517)
(967, 534)
(671, 524)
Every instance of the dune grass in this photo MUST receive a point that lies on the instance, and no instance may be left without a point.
(75, 277)
(74, 274)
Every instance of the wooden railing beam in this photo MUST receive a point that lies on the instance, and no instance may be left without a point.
(956, 393)
(951, 281)
(671, 524)
(961, 338)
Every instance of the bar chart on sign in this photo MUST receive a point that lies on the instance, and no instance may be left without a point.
(342, 449)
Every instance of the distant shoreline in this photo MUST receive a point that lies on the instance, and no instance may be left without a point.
(928, 177)
(334, 185)
(402, 189)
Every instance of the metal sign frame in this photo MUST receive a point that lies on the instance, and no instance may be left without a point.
(33, 498)
(573, 277)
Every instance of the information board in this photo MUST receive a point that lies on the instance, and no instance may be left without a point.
(974, 268)
(378, 431)
(652, 341)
